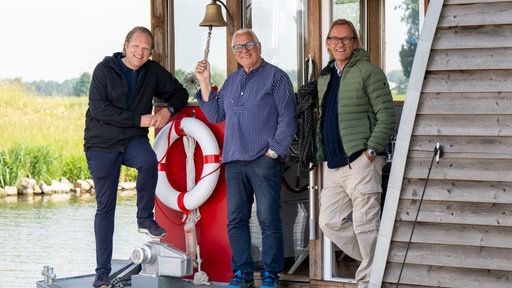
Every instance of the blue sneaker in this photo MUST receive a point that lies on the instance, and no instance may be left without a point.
(151, 228)
(239, 281)
(101, 280)
(269, 280)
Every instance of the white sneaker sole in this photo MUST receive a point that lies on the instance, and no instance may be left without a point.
(145, 231)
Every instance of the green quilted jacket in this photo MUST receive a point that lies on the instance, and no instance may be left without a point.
(366, 112)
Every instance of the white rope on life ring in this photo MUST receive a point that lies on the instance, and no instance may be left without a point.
(186, 201)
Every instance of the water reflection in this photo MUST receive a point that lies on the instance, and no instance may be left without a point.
(57, 231)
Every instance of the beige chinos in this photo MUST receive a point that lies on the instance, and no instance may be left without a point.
(350, 210)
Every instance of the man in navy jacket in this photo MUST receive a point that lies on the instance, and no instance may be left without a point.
(116, 133)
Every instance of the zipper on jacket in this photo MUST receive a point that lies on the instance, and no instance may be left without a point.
(344, 151)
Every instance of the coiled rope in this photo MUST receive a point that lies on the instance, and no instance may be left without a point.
(307, 103)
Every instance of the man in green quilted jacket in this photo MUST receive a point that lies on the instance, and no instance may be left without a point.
(356, 121)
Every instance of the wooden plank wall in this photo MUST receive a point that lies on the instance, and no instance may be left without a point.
(463, 237)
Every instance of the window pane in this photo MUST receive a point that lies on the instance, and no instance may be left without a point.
(402, 33)
(350, 10)
(279, 26)
(190, 43)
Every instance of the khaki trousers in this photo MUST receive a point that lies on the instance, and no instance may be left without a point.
(350, 209)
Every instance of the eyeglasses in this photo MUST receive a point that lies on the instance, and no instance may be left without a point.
(249, 46)
(335, 40)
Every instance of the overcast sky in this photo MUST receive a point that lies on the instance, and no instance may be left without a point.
(60, 39)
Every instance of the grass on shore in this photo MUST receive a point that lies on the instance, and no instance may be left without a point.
(42, 137)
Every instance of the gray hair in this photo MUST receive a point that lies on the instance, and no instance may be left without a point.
(245, 30)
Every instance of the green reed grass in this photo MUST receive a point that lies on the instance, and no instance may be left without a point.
(28, 161)
(42, 137)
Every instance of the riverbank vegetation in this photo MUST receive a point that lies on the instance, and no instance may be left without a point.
(42, 137)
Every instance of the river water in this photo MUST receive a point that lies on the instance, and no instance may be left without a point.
(57, 231)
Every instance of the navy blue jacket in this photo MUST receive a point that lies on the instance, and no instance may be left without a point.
(110, 122)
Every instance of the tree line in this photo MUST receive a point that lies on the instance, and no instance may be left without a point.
(71, 87)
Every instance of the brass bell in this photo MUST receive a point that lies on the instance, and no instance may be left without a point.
(213, 16)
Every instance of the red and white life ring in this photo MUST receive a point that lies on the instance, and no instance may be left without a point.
(186, 201)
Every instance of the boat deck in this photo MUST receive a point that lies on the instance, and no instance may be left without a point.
(85, 281)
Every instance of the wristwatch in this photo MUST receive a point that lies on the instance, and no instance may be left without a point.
(272, 153)
(171, 110)
(371, 152)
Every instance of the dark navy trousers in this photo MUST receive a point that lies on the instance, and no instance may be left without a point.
(105, 168)
(246, 180)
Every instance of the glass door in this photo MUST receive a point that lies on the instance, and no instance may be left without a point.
(280, 27)
(401, 29)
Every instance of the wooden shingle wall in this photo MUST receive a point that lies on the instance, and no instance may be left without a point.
(463, 236)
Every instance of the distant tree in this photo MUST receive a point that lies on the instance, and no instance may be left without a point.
(400, 82)
(293, 74)
(396, 76)
(180, 75)
(67, 87)
(44, 88)
(411, 18)
(50, 88)
(218, 76)
(81, 87)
